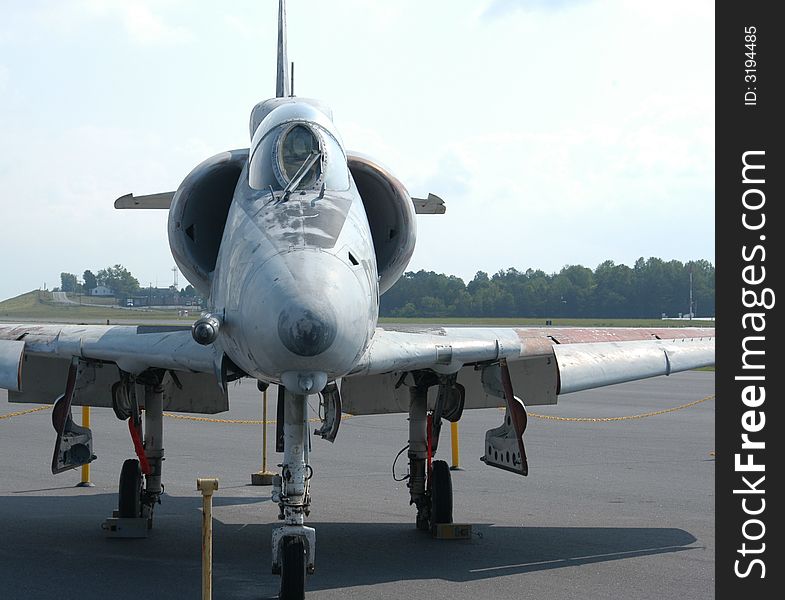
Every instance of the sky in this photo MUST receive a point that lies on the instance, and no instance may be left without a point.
(558, 132)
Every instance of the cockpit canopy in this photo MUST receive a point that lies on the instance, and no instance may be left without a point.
(296, 147)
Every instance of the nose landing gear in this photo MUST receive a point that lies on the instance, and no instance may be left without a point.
(293, 544)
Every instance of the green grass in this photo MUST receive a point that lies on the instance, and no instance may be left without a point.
(38, 305)
(102, 300)
(528, 322)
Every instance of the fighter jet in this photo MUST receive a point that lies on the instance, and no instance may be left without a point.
(292, 241)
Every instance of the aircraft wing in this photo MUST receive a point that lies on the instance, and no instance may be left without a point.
(542, 362)
(35, 361)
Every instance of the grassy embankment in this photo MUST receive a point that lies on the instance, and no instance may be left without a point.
(39, 306)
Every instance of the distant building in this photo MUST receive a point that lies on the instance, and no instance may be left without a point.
(101, 290)
(160, 298)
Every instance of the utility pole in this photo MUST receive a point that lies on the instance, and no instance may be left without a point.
(691, 313)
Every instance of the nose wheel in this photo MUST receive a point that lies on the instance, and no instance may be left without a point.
(292, 568)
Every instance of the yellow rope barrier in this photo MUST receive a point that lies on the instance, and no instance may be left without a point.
(606, 419)
(236, 421)
(23, 412)
(346, 416)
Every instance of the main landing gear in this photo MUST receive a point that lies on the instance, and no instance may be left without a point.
(430, 482)
(140, 478)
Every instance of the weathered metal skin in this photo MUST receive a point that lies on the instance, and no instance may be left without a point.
(133, 349)
(295, 278)
(541, 365)
(586, 366)
(294, 272)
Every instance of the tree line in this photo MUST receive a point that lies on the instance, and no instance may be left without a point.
(650, 288)
(117, 278)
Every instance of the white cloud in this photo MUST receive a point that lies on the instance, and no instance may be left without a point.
(142, 20)
(498, 9)
(144, 26)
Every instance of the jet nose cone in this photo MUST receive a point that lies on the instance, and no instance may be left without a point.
(307, 330)
(302, 311)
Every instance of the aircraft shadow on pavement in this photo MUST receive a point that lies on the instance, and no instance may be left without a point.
(63, 528)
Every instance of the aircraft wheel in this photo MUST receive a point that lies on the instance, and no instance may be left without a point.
(130, 497)
(441, 493)
(292, 568)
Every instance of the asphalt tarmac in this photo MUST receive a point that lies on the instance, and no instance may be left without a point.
(613, 509)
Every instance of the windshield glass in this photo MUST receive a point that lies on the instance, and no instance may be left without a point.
(298, 146)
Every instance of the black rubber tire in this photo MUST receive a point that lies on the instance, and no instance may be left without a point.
(292, 568)
(129, 503)
(441, 493)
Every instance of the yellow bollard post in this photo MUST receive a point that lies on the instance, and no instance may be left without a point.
(85, 482)
(207, 486)
(455, 466)
(263, 476)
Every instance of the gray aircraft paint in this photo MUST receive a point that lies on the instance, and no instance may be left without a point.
(290, 296)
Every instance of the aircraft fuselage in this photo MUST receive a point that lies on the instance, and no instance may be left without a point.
(296, 281)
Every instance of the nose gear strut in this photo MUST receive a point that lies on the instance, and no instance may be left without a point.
(293, 544)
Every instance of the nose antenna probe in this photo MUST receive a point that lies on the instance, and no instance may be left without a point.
(281, 80)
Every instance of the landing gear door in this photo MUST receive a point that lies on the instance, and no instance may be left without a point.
(74, 444)
(504, 447)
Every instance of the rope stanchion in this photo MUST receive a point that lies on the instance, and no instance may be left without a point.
(263, 476)
(455, 447)
(85, 480)
(207, 486)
